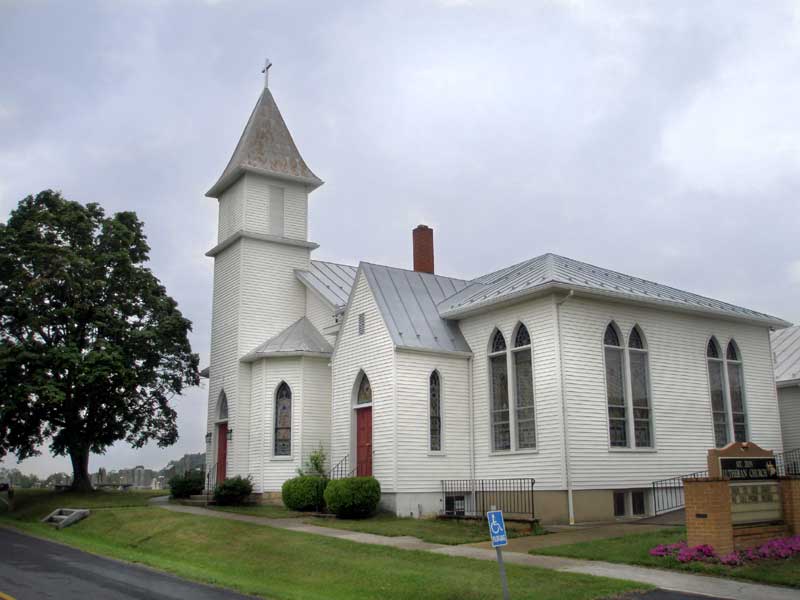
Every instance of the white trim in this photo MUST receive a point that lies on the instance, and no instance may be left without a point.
(263, 237)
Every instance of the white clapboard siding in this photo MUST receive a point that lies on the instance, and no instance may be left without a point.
(231, 210)
(545, 463)
(373, 353)
(789, 399)
(277, 469)
(419, 469)
(320, 312)
(224, 361)
(680, 394)
(316, 407)
(259, 190)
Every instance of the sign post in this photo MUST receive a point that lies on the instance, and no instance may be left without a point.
(497, 532)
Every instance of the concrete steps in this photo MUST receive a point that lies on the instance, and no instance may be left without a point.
(64, 517)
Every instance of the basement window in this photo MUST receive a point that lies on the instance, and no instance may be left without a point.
(637, 503)
(619, 504)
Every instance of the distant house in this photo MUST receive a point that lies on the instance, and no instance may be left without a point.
(786, 350)
(592, 382)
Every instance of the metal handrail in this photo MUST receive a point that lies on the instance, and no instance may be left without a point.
(474, 497)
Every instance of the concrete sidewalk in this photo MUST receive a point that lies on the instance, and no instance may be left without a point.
(669, 580)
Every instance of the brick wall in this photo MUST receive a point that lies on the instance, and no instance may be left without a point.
(790, 490)
(708, 514)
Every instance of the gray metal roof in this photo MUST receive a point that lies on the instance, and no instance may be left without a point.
(786, 350)
(301, 338)
(331, 280)
(407, 301)
(266, 147)
(551, 271)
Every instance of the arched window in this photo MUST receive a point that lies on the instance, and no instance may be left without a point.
(283, 420)
(733, 363)
(523, 386)
(498, 368)
(364, 393)
(222, 406)
(615, 387)
(716, 382)
(435, 411)
(640, 389)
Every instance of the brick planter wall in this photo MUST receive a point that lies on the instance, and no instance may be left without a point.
(708, 514)
(790, 490)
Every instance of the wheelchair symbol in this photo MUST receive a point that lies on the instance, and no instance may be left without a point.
(495, 526)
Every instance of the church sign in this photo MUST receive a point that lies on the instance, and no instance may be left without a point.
(755, 502)
(748, 469)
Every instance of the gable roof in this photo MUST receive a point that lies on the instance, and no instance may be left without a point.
(550, 271)
(301, 338)
(266, 147)
(786, 351)
(332, 281)
(407, 301)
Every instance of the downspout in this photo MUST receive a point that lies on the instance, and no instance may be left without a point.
(563, 388)
(471, 421)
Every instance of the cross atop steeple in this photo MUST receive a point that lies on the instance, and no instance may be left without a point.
(265, 71)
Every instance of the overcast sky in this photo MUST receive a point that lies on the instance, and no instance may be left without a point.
(657, 139)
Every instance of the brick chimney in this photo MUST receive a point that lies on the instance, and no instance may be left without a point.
(423, 249)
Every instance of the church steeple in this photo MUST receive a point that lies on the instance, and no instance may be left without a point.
(265, 148)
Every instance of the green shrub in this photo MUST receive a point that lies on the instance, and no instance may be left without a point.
(353, 497)
(304, 493)
(315, 464)
(233, 491)
(183, 486)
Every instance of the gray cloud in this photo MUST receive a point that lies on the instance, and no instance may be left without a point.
(652, 138)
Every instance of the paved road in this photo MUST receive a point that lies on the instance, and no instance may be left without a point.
(34, 569)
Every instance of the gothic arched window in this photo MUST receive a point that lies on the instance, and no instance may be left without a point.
(364, 393)
(435, 411)
(615, 387)
(523, 386)
(498, 369)
(733, 363)
(640, 389)
(222, 406)
(283, 420)
(716, 382)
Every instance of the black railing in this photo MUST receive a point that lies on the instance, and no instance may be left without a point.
(211, 482)
(668, 493)
(341, 469)
(788, 463)
(475, 497)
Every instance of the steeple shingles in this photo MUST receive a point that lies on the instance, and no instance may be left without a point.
(267, 148)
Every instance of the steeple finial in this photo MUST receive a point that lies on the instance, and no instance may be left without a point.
(265, 71)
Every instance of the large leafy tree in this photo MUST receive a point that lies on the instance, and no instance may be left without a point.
(91, 346)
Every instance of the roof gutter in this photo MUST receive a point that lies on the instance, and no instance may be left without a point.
(563, 390)
(787, 384)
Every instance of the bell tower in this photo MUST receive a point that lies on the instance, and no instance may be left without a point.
(262, 238)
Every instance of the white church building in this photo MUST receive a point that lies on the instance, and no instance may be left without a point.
(592, 382)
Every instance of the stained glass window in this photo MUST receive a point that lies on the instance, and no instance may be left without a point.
(283, 420)
(501, 428)
(611, 337)
(498, 342)
(736, 391)
(435, 412)
(522, 338)
(222, 406)
(615, 389)
(635, 339)
(718, 410)
(364, 395)
(640, 388)
(712, 351)
(732, 353)
(526, 423)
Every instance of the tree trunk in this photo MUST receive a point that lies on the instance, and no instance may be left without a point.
(81, 481)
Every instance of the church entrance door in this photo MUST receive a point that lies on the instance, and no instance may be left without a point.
(364, 441)
(222, 451)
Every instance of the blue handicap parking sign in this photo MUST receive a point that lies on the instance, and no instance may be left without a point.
(497, 528)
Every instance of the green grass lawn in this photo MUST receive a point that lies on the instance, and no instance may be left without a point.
(282, 564)
(436, 531)
(33, 504)
(269, 511)
(634, 549)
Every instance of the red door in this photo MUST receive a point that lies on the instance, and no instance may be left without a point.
(364, 442)
(222, 451)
